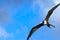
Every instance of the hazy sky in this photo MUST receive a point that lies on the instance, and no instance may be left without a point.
(18, 17)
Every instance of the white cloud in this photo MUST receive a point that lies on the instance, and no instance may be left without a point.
(56, 1)
(5, 34)
(37, 3)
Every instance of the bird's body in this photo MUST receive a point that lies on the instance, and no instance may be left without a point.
(45, 22)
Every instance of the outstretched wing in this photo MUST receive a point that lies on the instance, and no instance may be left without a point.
(51, 11)
(34, 29)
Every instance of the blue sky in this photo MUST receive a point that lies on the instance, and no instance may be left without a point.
(18, 17)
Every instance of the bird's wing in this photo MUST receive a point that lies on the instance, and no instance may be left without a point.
(34, 29)
(51, 11)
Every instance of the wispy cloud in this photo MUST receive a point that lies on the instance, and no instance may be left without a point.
(56, 1)
(5, 34)
(56, 12)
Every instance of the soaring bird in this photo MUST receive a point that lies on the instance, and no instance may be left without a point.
(44, 22)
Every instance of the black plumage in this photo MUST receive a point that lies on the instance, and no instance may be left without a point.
(45, 22)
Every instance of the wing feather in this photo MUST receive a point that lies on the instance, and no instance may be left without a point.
(34, 29)
(51, 11)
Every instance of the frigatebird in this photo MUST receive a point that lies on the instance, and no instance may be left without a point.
(45, 22)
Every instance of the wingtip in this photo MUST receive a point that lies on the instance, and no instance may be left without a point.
(28, 38)
(59, 4)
